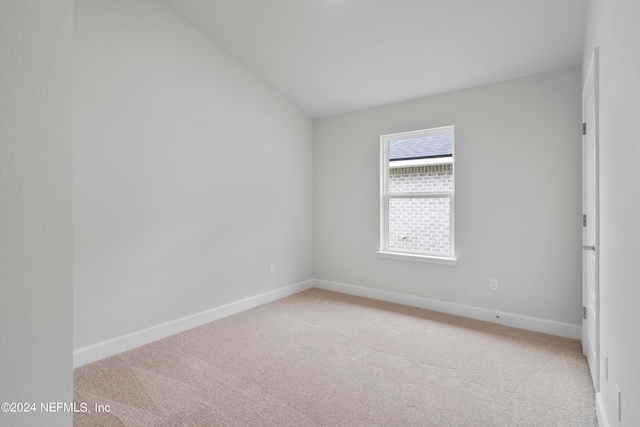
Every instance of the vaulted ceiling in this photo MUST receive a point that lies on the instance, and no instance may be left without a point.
(334, 56)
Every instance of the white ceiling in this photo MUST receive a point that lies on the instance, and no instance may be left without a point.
(334, 56)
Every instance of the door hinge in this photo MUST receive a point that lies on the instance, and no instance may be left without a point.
(584, 220)
(584, 128)
(584, 312)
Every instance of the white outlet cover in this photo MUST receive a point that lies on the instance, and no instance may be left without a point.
(493, 284)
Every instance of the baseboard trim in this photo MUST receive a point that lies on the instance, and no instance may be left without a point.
(101, 350)
(535, 324)
(104, 349)
(600, 412)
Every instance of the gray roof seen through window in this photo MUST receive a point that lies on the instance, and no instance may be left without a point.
(423, 147)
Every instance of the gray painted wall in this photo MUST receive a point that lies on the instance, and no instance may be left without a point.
(35, 208)
(518, 197)
(615, 27)
(191, 175)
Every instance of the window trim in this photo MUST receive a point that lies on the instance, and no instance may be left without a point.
(384, 251)
(407, 256)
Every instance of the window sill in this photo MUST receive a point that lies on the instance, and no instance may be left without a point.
(429, 259)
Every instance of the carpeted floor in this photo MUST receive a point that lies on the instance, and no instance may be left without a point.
(320, 358)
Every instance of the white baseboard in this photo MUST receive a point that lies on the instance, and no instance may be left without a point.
(101, 350)
(600, 412)
(551, 327)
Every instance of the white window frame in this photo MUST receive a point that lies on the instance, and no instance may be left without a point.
(384, 251)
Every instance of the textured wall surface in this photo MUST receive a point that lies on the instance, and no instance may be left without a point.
(191, 175)
(518, 197)
(35, 208)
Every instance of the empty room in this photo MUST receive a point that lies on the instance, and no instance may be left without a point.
(320, 212)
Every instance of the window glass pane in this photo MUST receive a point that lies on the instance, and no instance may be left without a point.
(420, 225)
(421, 164)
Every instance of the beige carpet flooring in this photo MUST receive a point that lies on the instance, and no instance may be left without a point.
(321, 358)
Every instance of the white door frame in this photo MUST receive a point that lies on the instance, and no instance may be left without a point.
(591, 118)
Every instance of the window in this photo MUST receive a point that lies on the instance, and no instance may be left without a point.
(417, 195)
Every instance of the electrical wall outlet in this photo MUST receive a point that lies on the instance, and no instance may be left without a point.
(272, 270)
(493, 284)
